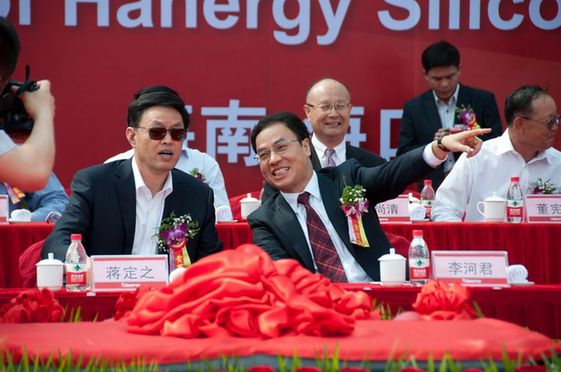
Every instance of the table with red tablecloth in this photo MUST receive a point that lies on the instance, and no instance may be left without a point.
(372, 341)
(537, 246)
(537, 307)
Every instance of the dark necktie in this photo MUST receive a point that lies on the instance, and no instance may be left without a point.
(325, 254)
(329, 155)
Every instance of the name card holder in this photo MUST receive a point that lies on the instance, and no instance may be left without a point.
(471, 268)
(543, 208)
(394, 210)
(128, 272)
(4, 209)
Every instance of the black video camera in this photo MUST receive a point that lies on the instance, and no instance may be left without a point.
(13, 117)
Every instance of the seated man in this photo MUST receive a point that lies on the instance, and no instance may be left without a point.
(328, 108)
(43, 203)
(118, 207)
(310, 199)
(432, 114)
(204, 167)
(524, 150)
(28, 166)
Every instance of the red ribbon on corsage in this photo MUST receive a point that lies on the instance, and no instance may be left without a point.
(354, 219)
(179, 253)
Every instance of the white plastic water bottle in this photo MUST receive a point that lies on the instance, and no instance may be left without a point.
(419, 259)
(427, 198)
(76, 265)
(514, 202)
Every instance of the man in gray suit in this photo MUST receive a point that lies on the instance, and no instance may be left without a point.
(281, 225)
(117, 207)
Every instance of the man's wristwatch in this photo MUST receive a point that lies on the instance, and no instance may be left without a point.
(440, 145)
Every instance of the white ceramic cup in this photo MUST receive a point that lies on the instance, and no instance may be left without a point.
(50, 273)
(248, 205)
(494, 208)
(392, 268)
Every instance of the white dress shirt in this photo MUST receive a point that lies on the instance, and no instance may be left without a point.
(6, 143)
(474, 179)
(191, 159)
(149, 212)
(339, 156)
(353, 271)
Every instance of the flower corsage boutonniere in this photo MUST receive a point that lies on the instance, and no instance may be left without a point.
(196, 172)
(547, 187)
(354, 205)
(173, 235)
(466, 116)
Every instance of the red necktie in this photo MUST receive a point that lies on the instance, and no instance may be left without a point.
(325, 254)
(329, 154)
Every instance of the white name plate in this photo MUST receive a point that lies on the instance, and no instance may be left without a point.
(4, 209)
(471, 268)
(128, 272)
(394, 210)
(543, 208)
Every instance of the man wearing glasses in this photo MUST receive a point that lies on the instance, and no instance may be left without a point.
(433, 114)
(524, 150)
(328, 108)
(304, 220)
(117, 207)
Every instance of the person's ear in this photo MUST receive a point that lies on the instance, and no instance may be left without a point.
(307, 110)
(131, 136)
(306, 146)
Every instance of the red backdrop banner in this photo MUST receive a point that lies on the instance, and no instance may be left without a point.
(234, 61)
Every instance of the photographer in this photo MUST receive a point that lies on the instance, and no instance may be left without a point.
(27, 166)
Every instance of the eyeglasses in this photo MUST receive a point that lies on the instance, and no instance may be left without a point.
(278, 148)
(326, 107)
(550, 123)
(159, 133)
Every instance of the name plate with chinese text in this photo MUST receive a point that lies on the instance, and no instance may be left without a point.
(471, 268)
(394, 210)
(128, 272)
(4, 209)
(543, 208)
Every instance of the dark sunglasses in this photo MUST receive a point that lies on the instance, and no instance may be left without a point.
(159, 133)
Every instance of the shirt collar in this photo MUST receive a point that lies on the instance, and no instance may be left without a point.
(320, 148)
(312, 187)
(505, 145)
(453, 99)
(139, 181)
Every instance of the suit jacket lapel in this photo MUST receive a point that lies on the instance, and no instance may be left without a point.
(464, 97)
(316, 164)
(284, 216)
(127, 200)
(429, 105)
(329, 189)
(352, 153)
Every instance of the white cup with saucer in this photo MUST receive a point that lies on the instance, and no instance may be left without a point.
(50, 273)
(392, 268)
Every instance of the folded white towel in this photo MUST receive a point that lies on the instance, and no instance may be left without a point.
(517, 274)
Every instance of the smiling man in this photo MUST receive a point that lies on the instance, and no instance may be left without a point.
(304, 220)
(117, 207)
(524, 150)
(432, 114)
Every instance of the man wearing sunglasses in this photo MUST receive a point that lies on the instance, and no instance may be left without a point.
(27, 166)
(118, 206)
(524, 150)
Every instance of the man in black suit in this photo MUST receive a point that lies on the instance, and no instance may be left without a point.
(282, 144)
(118, 207)
(328, 108)
(432, 114)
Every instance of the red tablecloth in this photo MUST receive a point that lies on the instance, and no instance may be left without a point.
(464, 340)
(537, 246)
(537, 307)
